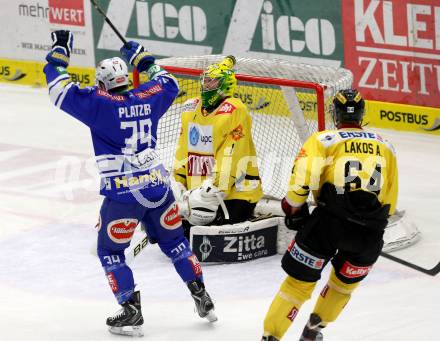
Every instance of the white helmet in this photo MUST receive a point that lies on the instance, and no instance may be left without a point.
(111, 73)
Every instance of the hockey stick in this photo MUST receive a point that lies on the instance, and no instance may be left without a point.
(107, 20)
(134, 250)
(432, 272)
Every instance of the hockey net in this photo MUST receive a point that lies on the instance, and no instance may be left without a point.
(288, 102)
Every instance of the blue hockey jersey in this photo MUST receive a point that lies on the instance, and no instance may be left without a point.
(124, 130)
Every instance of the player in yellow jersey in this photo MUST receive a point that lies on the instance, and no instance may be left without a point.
(353, 176)
(216, 159)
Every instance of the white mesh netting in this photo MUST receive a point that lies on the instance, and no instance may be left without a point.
(282, 116)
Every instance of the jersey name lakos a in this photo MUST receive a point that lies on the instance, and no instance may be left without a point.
(218, 145)
(350, 159)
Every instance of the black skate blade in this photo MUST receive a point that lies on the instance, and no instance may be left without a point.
(127, 331)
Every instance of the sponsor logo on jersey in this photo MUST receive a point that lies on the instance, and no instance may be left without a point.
(200, 138)
(155, 178)
(190, 105)
(292, 314)
(155, 89)
(105, 94)
(112, 281)
(237, 133)
(352, 271)
(197, 268)
(225, 108)
(194, 136)
(170, 219)
(305, 258)
(200, 165)
(121, 231)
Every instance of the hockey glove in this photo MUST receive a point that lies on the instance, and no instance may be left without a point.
(203, 203)
(136, 55)
(62, 44)
(297, 221)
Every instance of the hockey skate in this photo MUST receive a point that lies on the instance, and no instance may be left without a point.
(204, 304)
(269, 338)
(128, 320)
(312, 330)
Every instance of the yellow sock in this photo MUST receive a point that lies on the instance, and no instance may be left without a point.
(333, 298)
(285, 306)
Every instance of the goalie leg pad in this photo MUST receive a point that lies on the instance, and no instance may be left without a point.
(285, 306)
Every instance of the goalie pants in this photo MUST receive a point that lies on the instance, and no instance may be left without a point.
(238, 210)
(118, 222)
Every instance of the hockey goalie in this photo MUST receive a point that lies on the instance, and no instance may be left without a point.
(215, 166)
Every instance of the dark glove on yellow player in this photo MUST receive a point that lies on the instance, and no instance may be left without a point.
(297, 221)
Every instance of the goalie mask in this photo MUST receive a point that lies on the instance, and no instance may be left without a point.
(218, 82)
(112, 75)
(348, 107)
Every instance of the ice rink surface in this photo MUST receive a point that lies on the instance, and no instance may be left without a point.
(53, 288)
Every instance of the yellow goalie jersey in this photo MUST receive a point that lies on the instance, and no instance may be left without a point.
(350, 159)
(218, 145)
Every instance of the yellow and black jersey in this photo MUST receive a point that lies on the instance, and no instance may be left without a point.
(350, 159)
(218, 145)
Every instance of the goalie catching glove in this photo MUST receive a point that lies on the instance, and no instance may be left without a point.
(200, 205)
(297, 220)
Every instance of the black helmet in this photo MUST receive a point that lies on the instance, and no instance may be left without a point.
(348, 107)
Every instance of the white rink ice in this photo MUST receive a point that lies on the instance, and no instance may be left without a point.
(52, 288)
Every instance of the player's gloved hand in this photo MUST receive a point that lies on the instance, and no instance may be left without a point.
(297, 220)
(62, 45)
(136, 55)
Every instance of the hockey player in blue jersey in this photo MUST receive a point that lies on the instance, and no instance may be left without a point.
(134, 183)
